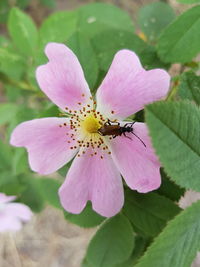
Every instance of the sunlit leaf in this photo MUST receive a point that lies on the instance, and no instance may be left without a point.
(179, 42)
(178, 244)
(22, 31)
(174, 128)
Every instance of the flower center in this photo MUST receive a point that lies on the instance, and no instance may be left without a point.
(90, 124)
(84, 125)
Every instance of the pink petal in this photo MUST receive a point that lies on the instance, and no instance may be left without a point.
(4, 198)
(95, 179)
(127, 87)
(138, 164)
(9, 223)
(19, 210)
(62, 78)
(46, 143)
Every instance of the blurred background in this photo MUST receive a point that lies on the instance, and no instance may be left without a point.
(48, 239)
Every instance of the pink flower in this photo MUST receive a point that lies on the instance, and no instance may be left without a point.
(99, 162)
(12, 214)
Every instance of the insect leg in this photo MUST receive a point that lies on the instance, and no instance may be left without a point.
(139, 138)
(131, 123)
(109, 122)
(100, 133)
(127, 136)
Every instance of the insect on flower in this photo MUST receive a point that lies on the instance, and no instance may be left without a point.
(85, 135)
(116, 130)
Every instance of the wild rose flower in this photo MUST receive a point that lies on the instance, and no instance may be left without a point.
(12, 214)
(99, 160)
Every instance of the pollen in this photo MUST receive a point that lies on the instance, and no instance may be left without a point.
(90, 124)
(83, 125)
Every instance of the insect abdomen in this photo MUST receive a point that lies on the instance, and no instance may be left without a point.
(110, 130)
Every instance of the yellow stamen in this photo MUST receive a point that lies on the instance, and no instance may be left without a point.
(90, 124)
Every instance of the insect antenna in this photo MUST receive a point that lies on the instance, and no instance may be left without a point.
(139, 138)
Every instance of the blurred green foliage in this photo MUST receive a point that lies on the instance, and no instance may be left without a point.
(95, 32)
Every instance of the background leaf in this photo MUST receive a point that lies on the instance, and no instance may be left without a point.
(48, 188)
(153, 18)
(140, 245)
(109, 42)
(22, 31)
(188, 1)
(19, 161)
(11, 64)
(148, 213)
(87, 218)
(7, 112)
(179, 42)
(112, 244)
(31, 196)
(169, 189)
(83, 49)
(97, 17)
(58, 27)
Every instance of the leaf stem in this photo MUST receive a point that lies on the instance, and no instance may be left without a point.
(21, 84)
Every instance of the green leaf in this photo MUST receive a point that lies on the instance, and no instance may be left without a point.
(83, 49)
(148, 213)
(188, 1)
(169, 189)
(153, 18)
(58, 27)
(174, 128)
(50, 110)
(63, 171)
(4, 42)
(4, 9)
(22, 31)
(22, 3)
(107, 43)
(112, 244)
(150, 59)
(48, 189)
(10, 184)
(48, 3)
(190, 87)
(19, 161)
(23, 114)
(178, 244)
(140, 245)
(88, 20)
(179, 42)
(31, 196)
(5, 155)
(7, 112)
(98, 17)
(87, 218)
(11, 64)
